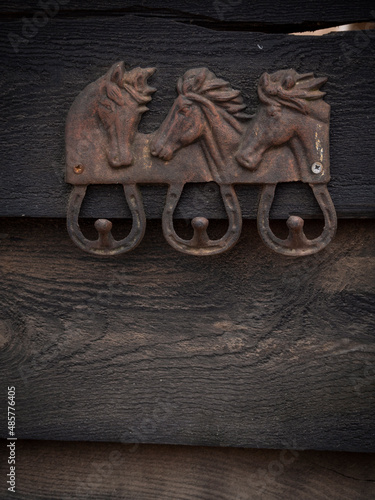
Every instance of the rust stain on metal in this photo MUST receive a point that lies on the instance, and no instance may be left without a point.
(206, 136)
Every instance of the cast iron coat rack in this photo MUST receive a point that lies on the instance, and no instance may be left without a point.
(206, 136)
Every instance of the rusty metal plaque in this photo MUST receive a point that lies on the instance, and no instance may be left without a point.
(207, 136)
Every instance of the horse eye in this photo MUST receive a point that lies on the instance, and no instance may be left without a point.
(184, 110)
(288, 82)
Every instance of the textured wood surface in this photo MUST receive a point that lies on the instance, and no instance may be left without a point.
(101, 471)
(237, 11)
(246, 349)
(39, 83)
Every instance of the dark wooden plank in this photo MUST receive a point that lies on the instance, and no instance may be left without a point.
(264, 11)
(246, 349)
(62, 471)
(40, 82)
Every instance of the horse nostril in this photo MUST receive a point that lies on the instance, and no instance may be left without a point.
(161, 151)
(121, 160)
(166, 154)
(242, 160)
(155, 148)
(249, 161)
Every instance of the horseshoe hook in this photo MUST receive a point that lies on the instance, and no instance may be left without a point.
(106, 244)
(297, 244)
(200, 243)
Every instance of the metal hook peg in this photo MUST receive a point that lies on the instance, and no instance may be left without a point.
(297, 244)
(105, 238)
(106, 244)
(200, 237)
(296, 237)
(200, 243)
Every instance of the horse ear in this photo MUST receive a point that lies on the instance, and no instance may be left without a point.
(116, 73)
(202, 76)
(114, 93)
(193, 80)
(115, 77)
(180, 82)
(113, 83)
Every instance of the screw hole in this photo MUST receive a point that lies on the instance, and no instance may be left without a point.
(78, 169)
(317, 168)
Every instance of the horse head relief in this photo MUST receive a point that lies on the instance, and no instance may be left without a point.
(207, 110)
(292, 116)
(100, 131)
(206, 136)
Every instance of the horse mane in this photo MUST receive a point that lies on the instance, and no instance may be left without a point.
(291, 89)
(202, 85)
(134, 81)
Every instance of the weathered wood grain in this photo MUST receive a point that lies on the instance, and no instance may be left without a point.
(238, 11)
(102, 471)
(244, 349)
(39, 83)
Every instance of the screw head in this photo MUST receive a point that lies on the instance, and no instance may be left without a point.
(78, 169)
(317, 168)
